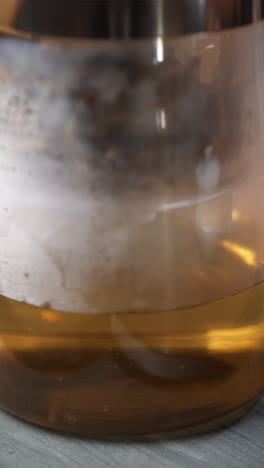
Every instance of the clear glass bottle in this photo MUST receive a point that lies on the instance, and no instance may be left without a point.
(132, 235)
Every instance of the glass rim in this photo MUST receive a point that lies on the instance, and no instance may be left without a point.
(124, 19)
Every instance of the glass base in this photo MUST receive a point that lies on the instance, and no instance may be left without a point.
(101, 397)
(199, 428)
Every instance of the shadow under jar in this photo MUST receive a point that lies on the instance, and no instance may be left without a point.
(131, 227)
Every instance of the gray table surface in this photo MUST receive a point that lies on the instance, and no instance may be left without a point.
(240, 446)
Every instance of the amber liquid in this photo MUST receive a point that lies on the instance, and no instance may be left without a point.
(138, 372)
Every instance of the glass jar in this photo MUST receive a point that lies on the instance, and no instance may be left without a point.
(132, 236)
